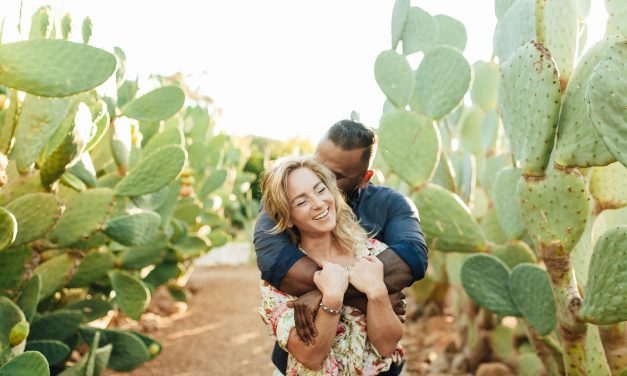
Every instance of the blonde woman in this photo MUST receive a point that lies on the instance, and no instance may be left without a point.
(300, 195)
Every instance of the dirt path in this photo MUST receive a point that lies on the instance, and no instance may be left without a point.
(221, 332)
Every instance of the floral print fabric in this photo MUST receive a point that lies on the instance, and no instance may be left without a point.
(351, 352)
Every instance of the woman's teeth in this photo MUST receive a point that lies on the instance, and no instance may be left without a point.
(321, 215)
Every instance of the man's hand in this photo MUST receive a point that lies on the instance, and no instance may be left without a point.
(305, 309)
(398, 304)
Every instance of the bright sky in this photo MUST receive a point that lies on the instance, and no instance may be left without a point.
(276, 68)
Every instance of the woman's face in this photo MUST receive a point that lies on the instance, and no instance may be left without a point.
(312, 207)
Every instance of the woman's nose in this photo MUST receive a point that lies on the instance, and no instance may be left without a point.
(317, 202)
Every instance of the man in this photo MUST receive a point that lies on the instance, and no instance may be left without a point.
(347, 149)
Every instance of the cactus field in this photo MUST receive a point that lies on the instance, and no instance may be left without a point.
(517, 164)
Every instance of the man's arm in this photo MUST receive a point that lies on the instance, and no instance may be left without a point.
(275, 252)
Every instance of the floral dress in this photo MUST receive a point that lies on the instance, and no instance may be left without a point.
(351, 352)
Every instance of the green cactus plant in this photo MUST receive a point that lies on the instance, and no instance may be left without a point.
(26, 364)
(132, 296)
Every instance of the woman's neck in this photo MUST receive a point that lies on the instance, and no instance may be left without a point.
(320, 248)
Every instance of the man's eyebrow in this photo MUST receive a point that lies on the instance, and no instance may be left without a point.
(303, 194)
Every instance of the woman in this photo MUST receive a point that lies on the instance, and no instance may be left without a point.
(300, 195)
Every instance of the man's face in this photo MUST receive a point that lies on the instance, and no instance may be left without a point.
(347, 165)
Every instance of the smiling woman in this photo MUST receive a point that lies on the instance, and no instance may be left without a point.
(301, 196)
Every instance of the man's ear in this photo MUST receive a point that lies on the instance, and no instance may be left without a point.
(365, 179)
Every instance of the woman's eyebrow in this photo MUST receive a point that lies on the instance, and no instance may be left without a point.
(303, 194)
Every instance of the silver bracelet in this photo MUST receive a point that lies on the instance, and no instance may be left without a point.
(330, 310)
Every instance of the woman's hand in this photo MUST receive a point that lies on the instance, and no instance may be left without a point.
(332, 281)
(366, 275)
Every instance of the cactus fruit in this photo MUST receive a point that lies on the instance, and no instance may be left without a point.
(607, 280)
(54, 68)
(486, 280)
(447, 223)
(395, 77)
(400, 132)
(18, 333)
(440, 82)
(156, 105)
(605, 97)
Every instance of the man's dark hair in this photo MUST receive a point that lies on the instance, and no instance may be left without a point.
(350, 135)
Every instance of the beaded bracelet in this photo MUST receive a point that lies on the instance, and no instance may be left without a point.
(330, 310)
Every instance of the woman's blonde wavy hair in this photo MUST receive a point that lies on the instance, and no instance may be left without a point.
(349, 234)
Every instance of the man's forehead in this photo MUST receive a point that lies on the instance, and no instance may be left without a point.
(345, 162)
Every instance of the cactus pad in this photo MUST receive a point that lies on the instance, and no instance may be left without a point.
(59, 325)
(156, 105)
(485, 85)
(471, 130)
(531, 291)
(446, 221)
(54, 351)
(214, 181)
(169, 136)
(394, 76)
(441, 81)
(54, 274)
(516, 27)
(557, 29)
(530, 123)
(555, 208)
(410, 145)
(605, 96)
(129, 351)
(147, 254)
(399, 17)
(420, 31)
(8, 228)
(93, 266)
(506, 202)
(617, 11)
(83, 214)
(54, 68)
(451, 32)
(578, 143)
(12, 266)
(607, 185)
(169, 161)
(513, 253)
(70, 149)
(39, 119)
(131, 295)
(35, 214)
(605, 299)
(133, 229)
(92, 309)
(486, 280)
(492, 228)
(28, 363)
(29, 297)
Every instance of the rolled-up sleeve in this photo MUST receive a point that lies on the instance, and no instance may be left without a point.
(275, 252)
(402, 233)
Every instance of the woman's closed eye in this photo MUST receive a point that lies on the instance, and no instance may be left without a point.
(322, 189)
